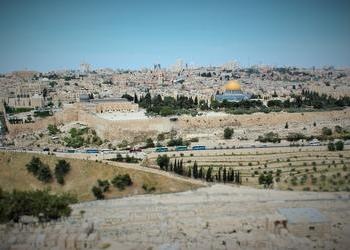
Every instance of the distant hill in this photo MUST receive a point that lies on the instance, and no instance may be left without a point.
(82, 177)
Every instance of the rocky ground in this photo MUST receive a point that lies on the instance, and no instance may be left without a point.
(215, 217)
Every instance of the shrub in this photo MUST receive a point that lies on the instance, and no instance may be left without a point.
(278, 172)
(97, 193)
(122, 181)
(339, 145)
(326, 131)
(176, 142)
(294, 181)
(267, 180)
(161, 137)
(53, 129)
(269, 137)
(331, 146)
(228, 132)
(103, 184)
(149, 143)
(295, 136)
(148, 188)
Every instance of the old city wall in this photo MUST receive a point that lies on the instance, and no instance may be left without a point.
(129, 129)
(125, 129)
(68, 115)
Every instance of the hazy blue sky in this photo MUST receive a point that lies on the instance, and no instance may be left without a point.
(45, 35)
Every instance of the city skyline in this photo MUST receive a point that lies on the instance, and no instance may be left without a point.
(43, 36)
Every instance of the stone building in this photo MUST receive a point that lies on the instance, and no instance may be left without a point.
(114, 105)
(26, 101)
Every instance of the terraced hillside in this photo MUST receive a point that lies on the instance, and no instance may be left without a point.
(293, 168)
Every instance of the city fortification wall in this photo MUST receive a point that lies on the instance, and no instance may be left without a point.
(118, 130)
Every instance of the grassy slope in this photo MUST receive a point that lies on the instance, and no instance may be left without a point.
(82, 177)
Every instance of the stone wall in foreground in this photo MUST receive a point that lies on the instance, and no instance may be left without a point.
(70, 234)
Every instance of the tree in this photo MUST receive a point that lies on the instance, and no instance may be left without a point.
(44, 93)
(228, 132)
(237, 178)
(161, 137)
(34, 165)
(128, 97)
(175, 166)
(195, 170)
(163, 161)
(119, 157)
(61, 169)
(286, 126)
(208, 176)
(261, 179)
(326, 131)
(201, 174)
(180, 169)
(34, 203)
(331, 146)
(149, 143)
(40, 170)
(189, 172)
(97, 193)
(339, 145)
(136, 100)
(267, 180)
(52, 128)
(44, 173)
(224, 175)
(232, 175)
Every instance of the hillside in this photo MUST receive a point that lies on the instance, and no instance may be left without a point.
(82, 177)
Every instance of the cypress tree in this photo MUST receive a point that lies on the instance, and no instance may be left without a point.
(224, 175)
(231, 175)
(237, 178)
(201, 175)
(181, 170)
(175, 166)
(208, 176)
(195, 170)
(189, 170)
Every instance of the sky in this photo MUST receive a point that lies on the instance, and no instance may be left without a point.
(48, 35)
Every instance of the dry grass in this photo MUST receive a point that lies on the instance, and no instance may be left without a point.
(82, 177)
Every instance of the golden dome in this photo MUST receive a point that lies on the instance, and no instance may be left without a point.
(232, 85)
